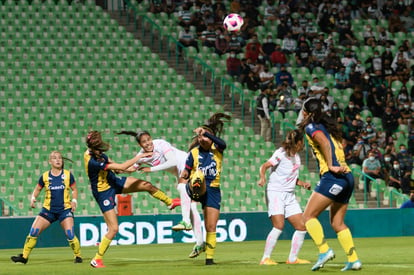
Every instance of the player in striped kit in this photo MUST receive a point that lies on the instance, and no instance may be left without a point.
(60, 186)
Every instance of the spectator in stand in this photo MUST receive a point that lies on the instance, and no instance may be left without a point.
(278, 57)
(282, 105)
(318, 55)
(351, 111)
(233, 66)
(372, 167)
(289, 44)
(407, 19)
(343, 27)
(221, 44)
(389, 122)
(284, 75)
(208, 37)
(332, 63)
(270, 11)
(405, 158)
(399, 178)
(156, 6)
(234, 44)
(406, 113)
(169, 6)
(387, 163)
(185, 15)
(360, 151)
(395, 23)
(303, 55)
(375, 62)
(348, 60)
(255, 45)
(336, 111)
(326, 21)
(304, 89)
(187, 38)
(266, 78)
(384, 37)
(298, 102)
(357, 97)
(296, 29)
(341, 79)
(282, 28)
(317, 88)
(374, 12)
(268, 47)
(252, 81)
(369, 35)
(263, 112)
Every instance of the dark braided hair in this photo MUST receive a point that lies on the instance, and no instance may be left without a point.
(214, 125)
(136, 135)
(313, 107)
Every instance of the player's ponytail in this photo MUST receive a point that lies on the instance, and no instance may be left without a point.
(291, 142)
(136, 135)
(94, 141)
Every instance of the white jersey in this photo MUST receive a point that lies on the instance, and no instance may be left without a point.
(284, 173)
(161, 148)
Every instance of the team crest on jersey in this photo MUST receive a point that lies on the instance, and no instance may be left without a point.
(106, 202)
(63, 176)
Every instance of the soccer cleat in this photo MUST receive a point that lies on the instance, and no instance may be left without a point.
(267, 261)
(97, 263)
(19, 259)
(357, 265)
(77, 260)
(298, 261)
(182, 225)
(323, 259)
(175, 202)
(197, 250)
(210, 262)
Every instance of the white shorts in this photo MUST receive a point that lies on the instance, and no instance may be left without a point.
(282, 203)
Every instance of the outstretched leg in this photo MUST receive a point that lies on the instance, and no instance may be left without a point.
(137, 185)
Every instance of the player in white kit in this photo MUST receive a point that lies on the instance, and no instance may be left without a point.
(168, 158)
(280, 196)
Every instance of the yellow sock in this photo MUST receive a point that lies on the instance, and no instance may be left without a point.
(29, 244)
(315, 230)
(160, 195)
(75, 245)
(210, 244)
(345, 239)
(103, 246)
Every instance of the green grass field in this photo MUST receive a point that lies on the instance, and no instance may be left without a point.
(378, 255)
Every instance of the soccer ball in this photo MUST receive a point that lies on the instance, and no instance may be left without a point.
(233, 22)
(197, 185)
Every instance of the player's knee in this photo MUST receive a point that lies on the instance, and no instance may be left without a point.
(70, 234)
(34, 232)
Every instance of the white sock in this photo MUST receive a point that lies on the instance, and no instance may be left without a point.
(198, 232)
(297, 242)
(271, 241)
(185, 202)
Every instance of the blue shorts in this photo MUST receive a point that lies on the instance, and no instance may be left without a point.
(54, 216)
(106, 199)
(337, 187)
(212, 197)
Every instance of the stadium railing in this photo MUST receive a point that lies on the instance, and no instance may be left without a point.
(6, 209)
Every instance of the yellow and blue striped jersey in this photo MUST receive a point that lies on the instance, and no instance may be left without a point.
(99, 177)
(338, 155)
(210, 162)
(57, 190)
